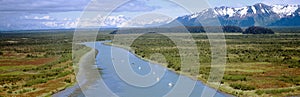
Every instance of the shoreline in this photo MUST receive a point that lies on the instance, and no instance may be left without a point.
(74, 88)
(213, 86)
(223, 88)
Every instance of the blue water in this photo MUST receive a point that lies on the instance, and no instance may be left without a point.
(164, 84)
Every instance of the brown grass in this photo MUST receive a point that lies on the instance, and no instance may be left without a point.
(18, 62)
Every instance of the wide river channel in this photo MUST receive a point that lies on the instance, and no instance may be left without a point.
(111, 83)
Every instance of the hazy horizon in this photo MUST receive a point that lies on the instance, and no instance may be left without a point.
(64, 14)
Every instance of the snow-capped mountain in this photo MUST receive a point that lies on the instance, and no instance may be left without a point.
(259, 15)
(123, 21)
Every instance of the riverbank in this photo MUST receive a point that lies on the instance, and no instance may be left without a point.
(222, 88)
(255, 64)
(86, 57)
(71, 90)
(225, 88)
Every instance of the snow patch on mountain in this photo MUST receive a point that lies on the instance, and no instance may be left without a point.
(256, 15)
(284, 10)
(281, 10)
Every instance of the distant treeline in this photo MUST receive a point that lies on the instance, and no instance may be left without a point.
(195, 29)
(258, 30)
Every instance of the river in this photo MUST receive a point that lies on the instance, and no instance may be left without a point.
(111, 84)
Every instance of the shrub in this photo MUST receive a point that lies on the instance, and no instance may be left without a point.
(259, 92)
(35, 81)
(31, 56)
(242, 87)
(278, 91)
(67, 80)
(1, 53)
(24, 91)
(235, 77)
(290, 79)
(9, 92)
(64, 74)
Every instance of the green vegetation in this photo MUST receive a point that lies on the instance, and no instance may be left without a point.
(235, 77)
(254, 62)
(35, 81)
(35, 63)
(290, 79)
(30, 60)
(278, 91)
(242, 87)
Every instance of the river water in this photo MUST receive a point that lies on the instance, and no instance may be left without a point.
(111, 84)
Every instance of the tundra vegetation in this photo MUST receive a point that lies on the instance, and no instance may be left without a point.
(257, 64)
(39, 63)
(36, 63)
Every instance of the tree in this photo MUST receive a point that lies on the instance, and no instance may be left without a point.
(258, 30)
(232, 29)
(195, 29)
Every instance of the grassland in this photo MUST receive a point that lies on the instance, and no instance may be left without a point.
(257, 65)
(40, 64)
(36, 63)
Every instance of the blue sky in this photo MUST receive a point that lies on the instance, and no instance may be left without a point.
(49, 14)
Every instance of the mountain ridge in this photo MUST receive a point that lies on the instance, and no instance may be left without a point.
(256, 15)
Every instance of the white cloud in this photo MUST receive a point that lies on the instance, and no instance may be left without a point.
(42, 18)
(280, 1)
(105, 21)
(147, 20)
(64, 23)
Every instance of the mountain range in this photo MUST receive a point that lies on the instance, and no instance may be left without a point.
(256, 15)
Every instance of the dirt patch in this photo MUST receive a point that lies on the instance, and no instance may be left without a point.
(17, 62)
(266, 83)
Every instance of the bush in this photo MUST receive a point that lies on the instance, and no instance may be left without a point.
(9, 92)
(67, 80)
(242, 87)
(64, 74)
(278, 91)
(1, 53)
(235, 77)
(259, 92)
(24, 91)
(35, 81)
(258, 30)
(31, 56)
(290, 79)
